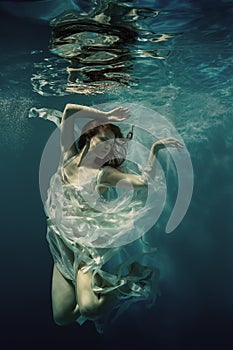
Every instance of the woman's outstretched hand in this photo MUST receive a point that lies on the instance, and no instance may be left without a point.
(118, 114)
(168, 142)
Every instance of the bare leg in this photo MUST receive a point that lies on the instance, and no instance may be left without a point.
(65, 308)
(68, 304)
(92, 305)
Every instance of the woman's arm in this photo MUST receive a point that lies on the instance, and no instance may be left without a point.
(73, 111)
(112, 176)
(116, 114)
(82, 112)
(150, 168)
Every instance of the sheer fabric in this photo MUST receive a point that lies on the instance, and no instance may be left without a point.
(103, 232)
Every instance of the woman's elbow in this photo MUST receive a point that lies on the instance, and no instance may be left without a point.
(138, 182)
(142, 184)
(69, 107)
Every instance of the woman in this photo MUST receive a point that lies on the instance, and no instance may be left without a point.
(93, 273)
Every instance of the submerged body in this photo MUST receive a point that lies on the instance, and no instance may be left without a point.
(100, 266)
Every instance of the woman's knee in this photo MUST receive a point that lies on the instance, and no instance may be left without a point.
(61, 318)
(93, 308)
(89, 308)
(91, 305)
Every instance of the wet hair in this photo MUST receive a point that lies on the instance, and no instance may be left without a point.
(118, 152)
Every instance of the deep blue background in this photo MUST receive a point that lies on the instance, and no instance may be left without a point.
(196, 307)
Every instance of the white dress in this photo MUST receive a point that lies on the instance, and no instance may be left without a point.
(106, 234)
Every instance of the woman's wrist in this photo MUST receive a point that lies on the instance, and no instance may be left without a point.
(157, 146)
(108, 114)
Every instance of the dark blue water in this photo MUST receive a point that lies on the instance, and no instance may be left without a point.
(190, 83)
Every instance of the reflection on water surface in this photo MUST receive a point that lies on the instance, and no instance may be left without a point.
(98, 47)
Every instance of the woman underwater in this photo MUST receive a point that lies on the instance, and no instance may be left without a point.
(94, 277)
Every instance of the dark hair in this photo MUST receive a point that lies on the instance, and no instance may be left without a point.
(118, 153)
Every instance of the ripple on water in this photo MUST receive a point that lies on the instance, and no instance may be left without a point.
(99, 47)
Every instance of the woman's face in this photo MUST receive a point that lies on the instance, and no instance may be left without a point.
(101, 144)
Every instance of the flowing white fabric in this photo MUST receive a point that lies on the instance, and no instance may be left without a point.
(82, 229)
